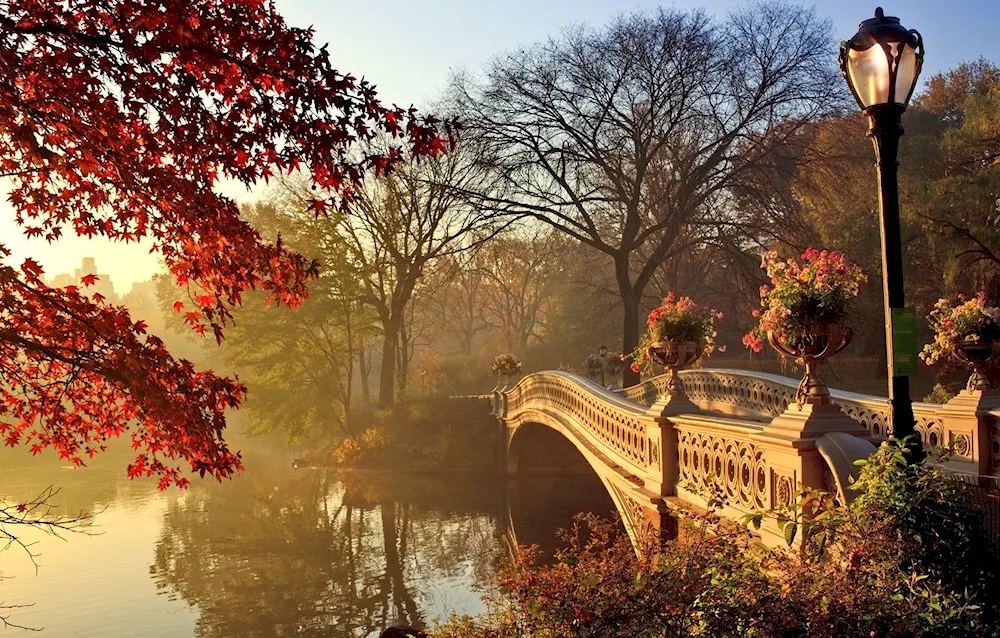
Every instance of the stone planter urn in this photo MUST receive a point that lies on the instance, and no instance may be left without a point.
(976, 354)
(674, 356)
(810, 349)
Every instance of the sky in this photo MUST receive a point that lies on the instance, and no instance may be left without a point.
(408, 50)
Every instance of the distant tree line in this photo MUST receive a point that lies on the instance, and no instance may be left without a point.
(596, 171)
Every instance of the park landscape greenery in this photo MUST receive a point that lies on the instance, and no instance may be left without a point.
(563, 191)
(530, 289)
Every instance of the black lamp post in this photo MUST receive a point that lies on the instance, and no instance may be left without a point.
(881, 64)
(603, 351)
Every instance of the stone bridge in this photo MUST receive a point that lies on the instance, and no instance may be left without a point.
(735, 436)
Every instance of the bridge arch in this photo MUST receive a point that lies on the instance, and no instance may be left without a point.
(551, 484)
(610, 433)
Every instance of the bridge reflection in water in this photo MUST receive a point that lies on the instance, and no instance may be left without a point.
(732, 430)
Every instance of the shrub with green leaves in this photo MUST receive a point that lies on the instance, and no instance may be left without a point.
(908, 557)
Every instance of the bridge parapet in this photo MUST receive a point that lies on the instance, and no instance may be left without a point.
(762, 396)
(721, 456)
(738, 438)
(615, 426)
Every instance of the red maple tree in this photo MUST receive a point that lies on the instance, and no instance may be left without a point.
(117, 119)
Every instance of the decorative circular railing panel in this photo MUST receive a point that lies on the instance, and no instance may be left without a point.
(731, 466)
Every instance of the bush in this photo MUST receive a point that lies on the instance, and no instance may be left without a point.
(909, 557)
(349, 452)
(429, 434)
(939, 394)
(372, 440)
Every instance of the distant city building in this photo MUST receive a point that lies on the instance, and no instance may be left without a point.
(141, 300)
(103, 284)
(145, 289)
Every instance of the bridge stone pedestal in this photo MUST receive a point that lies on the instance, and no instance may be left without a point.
(647, 516)
(969, 431)
(801, 422)
(806, 446)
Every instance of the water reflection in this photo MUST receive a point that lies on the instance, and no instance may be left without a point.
(278, 550)
(539, 506)
(314, 555)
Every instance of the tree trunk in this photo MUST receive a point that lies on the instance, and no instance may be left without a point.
(348, 412)
(387, 375)
(403, 358)
(630, 322)
(365, 369)
(630, 334)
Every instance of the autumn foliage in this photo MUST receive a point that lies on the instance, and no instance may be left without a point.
(909, 557)
(117, 119)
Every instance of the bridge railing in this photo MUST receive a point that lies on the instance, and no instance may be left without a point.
(739, 440)
(610, 424)
(762, 396)
(670, 455)
(722, 460)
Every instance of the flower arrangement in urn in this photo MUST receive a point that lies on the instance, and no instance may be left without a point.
(802, 312)
(966, 330)
(676, 325)
(505, 365)
(803, 296)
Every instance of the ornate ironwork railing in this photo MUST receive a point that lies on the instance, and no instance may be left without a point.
(617, 424)
(718, 459)
(762, 396)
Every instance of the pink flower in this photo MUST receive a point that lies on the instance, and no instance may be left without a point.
(634, 367)
(752, 342)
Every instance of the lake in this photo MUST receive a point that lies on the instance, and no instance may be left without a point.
(276, 551)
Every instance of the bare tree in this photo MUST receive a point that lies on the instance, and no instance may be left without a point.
(458, 307)
(397, 227)
(38, 513)
(518, 270)
(623, 137)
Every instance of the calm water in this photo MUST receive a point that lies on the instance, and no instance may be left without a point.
(277, 551)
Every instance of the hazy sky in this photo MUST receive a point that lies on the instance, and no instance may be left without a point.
(407, 49)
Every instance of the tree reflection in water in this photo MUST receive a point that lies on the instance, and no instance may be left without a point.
(281, 551)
